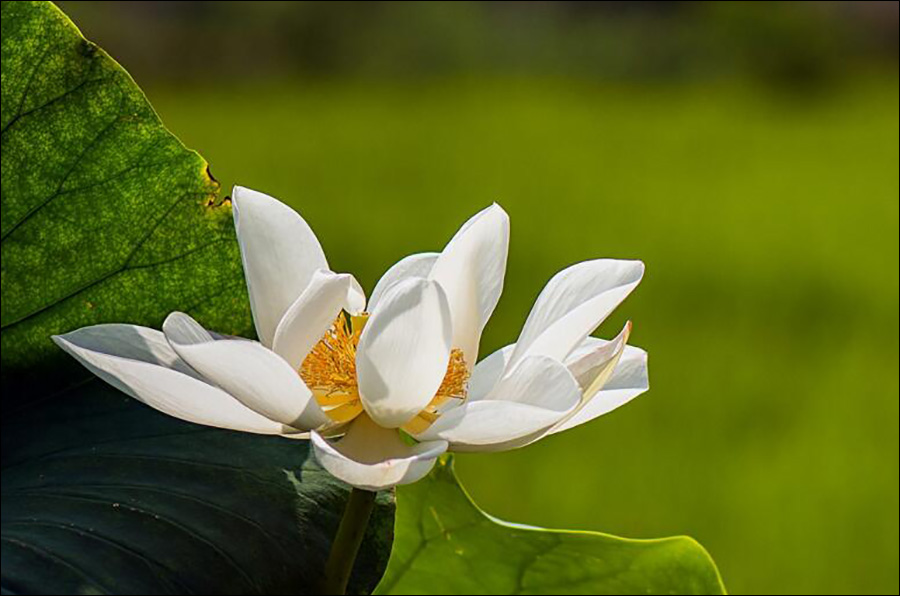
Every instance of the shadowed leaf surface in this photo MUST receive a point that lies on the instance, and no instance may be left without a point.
(100, 494)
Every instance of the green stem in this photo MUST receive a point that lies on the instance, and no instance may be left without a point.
(347, 540)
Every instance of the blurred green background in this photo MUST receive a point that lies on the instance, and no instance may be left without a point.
(748, 153)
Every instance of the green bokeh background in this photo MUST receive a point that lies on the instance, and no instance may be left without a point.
(749, 156)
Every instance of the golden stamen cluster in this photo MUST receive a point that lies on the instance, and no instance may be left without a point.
(329, 370)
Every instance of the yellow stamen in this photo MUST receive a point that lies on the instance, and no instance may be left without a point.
(329, 370)
(452, 387)
(358, 322)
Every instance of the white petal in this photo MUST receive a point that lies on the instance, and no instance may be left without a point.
(356, 297)
(535, 395)
(131, 342)
(417, 265)
(628, 380)
(403, 352)
(310, 316)
(471, 269)
(139, 362)
(538, 381)
(374, 458)
(573, 304)
(279, 252)
(483, 425)
(487, 373)
(593, 367)
(256, 376)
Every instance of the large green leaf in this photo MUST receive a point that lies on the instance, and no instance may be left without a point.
(100, 494)
(106, 216)
(446, 545)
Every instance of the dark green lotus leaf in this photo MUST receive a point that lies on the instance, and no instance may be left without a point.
(101, 494)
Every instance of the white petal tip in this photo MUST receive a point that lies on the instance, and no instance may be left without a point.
(498, 212)
(182, 329)
(240, 192)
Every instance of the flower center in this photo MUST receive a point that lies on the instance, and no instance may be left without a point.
(329, 370)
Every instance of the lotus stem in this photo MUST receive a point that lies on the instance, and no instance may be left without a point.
(347, 541)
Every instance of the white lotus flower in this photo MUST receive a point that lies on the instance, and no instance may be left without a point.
(362, 379)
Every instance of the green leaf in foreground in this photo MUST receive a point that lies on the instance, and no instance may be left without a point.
(106, 216)
(102, 495)
(445, 544)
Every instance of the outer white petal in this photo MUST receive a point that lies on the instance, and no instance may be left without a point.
(256, 376)
(403, 351)
(417, 265)
(485, 425)
(592, 364)
(574, 303)
(471, 269)
(535, 395)
(628, 380)
(131, 342)
(487, 373)
(593, 368)
(310, 316)
(374, 458)
(279, 252)
(593, 356)
(139, 362)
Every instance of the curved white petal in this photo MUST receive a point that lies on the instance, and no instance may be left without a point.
(131, 342)
(628, 380)
(356, 297)
(487, 373)
(310, 316)
(403, 351)
(417, 265)
(374, 458)
(279, 252)
(593, 367)
(574, 303)
(471, 269)
(256, 376)
(139, 362)
(539, 381)
(483, 425)
(535, 395)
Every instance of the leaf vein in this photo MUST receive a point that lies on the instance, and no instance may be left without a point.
(173, 523)
(43, 553)
(153, 565)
